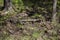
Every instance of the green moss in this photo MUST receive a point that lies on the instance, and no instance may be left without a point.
(36, 34)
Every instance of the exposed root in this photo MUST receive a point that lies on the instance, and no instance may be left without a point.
(9, 10)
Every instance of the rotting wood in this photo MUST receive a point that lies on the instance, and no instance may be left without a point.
(29, 20)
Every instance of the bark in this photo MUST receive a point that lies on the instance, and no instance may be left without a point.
(54, 10)
(7, 4)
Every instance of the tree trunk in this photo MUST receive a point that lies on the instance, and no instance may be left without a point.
(54, 10)
(7, 4)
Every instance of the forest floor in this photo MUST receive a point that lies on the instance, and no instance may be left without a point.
(21, 27)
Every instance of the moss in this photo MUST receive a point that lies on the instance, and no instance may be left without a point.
(36, 34)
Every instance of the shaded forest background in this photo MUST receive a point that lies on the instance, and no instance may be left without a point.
(30, 20)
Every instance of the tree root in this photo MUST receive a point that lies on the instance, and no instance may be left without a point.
(9, 10)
